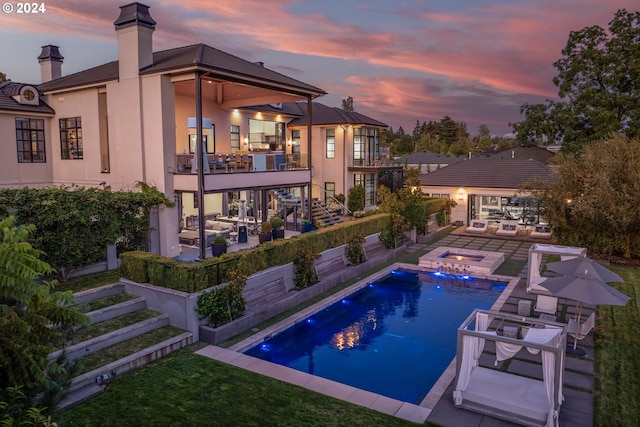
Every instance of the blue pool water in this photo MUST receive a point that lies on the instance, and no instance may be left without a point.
(393, 337)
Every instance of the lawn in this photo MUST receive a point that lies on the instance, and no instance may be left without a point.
(617, 365)
(185, 389)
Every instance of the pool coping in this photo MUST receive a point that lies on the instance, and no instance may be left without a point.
(405, 410)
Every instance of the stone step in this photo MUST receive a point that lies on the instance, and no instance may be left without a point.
(97, 293)
(116, 310)
(111, 338)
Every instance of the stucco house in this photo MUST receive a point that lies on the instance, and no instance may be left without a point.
(136, 119)
(487, 187)
(345, 152)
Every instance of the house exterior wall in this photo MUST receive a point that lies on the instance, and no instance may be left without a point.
(14, 174)
(86, 171)
(462, 197)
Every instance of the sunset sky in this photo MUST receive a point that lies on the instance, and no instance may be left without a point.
(476, 61)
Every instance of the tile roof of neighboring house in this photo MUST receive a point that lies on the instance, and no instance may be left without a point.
(325, 115)
(9, 89)
(493, 172)
(199, 56)
(540, 154)
(429, 157)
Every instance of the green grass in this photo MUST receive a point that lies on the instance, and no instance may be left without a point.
(101, 328)
(185, 389)
(617, 361)
(107, 301)
(511, 267)
(90, 281)
(118, 351)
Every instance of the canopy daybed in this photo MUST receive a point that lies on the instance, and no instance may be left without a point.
(505, 395)
(536, 251)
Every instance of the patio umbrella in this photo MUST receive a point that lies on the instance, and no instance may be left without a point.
(586, 265)
(586, 287)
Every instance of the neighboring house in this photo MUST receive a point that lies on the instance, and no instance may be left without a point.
(487, 187)
(345, 152)
(428, 161)
(136, 120)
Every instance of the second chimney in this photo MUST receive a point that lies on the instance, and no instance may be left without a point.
(50, 61)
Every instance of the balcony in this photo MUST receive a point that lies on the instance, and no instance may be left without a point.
(241, 170)
(373, 165)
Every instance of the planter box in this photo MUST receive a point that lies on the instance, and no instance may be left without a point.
(218, 249)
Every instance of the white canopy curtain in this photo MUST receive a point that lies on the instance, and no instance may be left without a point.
(549, 341)
(549, 337)
(472, 349)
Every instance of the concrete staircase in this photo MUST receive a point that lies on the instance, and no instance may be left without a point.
(93, 382)
(322, 215)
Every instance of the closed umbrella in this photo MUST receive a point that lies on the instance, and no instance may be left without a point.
(585, 287)
(584, 265)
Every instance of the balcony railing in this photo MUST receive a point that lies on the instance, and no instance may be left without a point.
(254, 161)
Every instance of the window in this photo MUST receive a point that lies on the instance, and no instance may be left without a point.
(30, 140)
(329, 192)
(368, 181)
(366, 146)
(331, 143)
(71, 138)
(235, 138)
(266, 135)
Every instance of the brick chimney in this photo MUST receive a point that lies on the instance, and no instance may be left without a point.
(135, 28)
(50, 61)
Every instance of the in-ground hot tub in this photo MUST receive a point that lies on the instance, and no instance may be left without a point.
(460, 260)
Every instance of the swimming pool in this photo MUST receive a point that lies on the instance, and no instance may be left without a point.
(394, 336)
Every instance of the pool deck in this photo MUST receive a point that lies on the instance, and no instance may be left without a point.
(437, 407)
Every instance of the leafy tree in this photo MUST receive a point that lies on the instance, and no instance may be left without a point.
(3, 78)
(483, 140)
(34, 320)
(599, 84)
(347, 104)
(74, 225)
(593, 201)
(402, 144)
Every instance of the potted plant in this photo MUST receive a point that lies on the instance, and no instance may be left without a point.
(219, 246)
(265, 234)
(276, 225)
(233, 207)
(306, 226)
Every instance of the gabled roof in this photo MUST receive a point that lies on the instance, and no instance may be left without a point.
(10, 89)
(492, 172)
(201, 57)
(325, 115)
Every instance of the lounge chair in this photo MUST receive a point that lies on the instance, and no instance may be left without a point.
(578, 332)
(546, 307)
(477, 226)
(541, 232)
(507, 228)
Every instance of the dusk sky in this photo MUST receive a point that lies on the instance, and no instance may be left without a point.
(476, 61)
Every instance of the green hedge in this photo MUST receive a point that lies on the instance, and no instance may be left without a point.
(144, 267)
